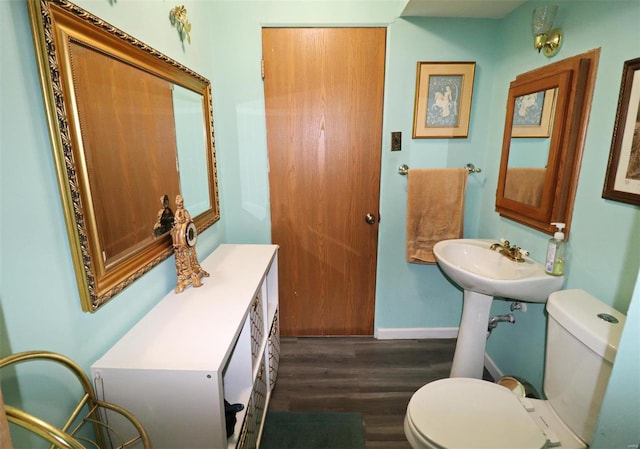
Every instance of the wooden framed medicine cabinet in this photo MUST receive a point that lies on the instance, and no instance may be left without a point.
(539, 172)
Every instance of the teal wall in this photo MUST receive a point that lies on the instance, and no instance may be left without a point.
(39, 305)
(411, 295)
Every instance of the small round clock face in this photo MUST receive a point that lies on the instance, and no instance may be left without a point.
(190, 234)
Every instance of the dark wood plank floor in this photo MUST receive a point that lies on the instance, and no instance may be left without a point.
(359, 374)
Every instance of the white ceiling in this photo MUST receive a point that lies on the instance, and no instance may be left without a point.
(485, 9)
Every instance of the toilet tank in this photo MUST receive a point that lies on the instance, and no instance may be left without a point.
(582, 341)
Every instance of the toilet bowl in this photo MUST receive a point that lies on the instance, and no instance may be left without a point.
(481, 415)
(464, 413)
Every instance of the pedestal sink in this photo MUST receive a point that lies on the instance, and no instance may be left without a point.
(485, 274)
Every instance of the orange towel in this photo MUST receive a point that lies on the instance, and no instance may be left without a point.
(525, 185)
(435, 210)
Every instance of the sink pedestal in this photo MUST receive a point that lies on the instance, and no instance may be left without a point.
(468, 360)
(475, 267)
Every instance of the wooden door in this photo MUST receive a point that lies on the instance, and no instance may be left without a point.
(324, 98)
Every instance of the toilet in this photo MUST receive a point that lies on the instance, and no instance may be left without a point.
(462, 413)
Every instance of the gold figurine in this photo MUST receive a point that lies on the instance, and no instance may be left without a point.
(184, 235)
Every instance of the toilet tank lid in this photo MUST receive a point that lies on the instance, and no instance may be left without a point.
(582, 315)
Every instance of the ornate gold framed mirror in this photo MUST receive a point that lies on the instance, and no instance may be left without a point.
(129, 128)
(545, 128)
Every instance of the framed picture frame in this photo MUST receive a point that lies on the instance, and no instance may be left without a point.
(443, 99)
(622, 181)
(532, 114)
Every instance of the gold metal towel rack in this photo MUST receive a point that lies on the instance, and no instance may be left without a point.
(404, 169)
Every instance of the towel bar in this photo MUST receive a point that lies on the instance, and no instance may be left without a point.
(404, 169)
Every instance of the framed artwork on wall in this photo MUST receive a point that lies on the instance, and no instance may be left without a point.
(532, 114)
(443, 99)
(622, 181)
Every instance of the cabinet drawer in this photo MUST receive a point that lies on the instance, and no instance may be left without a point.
(255, 411)
(259, 395)
(248, 438)
(274, 351)
(256, 315)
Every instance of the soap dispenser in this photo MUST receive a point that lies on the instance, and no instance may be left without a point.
(556, 252)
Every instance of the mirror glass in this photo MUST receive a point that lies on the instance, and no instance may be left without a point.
(545, 126)
(131, 129)
(533, 116)
(126, 170)
(191, 133)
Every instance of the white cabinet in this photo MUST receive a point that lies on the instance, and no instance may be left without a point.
(176, 366)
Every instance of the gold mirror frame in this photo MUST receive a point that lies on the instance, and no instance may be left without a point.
(56, 25)
(573, 80)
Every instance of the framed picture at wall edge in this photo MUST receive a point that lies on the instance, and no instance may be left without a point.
(442, 105)
(622, 182)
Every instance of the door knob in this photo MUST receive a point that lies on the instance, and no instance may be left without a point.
(370, 218)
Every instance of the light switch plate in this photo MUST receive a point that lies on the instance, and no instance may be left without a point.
(396, 141)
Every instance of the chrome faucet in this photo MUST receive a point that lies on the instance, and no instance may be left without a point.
(514, 252)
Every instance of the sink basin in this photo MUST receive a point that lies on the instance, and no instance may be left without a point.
(484, 274)
(473, 266)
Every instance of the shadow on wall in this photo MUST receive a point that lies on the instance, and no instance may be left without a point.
(631, 264)
(5, 347)
(8, 377)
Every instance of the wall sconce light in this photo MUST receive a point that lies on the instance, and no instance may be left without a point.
(545, 39)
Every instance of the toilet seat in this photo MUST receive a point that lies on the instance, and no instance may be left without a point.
(463, 413)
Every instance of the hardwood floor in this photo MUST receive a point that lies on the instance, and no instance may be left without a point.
(347, 374)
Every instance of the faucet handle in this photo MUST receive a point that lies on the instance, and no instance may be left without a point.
(523, 252)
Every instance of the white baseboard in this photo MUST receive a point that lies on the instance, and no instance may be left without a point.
(416, 332)
(492, 367)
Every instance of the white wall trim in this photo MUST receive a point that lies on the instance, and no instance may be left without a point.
(416, 332)
(492, 367)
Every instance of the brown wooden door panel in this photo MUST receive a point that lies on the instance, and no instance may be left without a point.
(323, 93)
